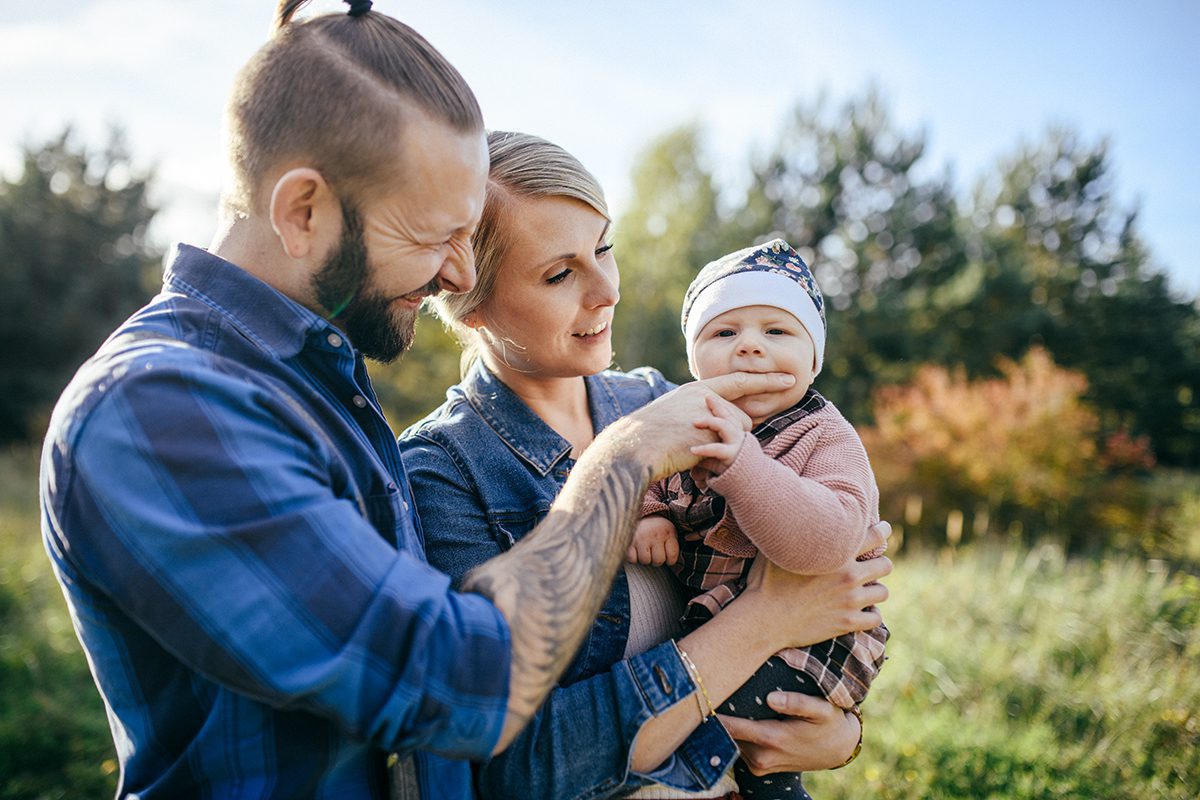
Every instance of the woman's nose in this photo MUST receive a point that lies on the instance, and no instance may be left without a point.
(604, 292)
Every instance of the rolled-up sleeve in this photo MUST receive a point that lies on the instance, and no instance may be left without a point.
(229, 530)
(580, 742)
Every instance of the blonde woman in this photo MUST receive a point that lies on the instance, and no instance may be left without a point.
(635, 706)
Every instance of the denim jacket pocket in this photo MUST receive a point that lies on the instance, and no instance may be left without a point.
(509, 527)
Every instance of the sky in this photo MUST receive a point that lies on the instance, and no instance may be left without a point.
(604, 79)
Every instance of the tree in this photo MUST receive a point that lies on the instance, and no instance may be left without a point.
(842, 187)
(671, 230)
(76, 262)
(1056, 261)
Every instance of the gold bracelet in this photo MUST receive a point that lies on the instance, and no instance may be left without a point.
(858, 747)
(693, 671)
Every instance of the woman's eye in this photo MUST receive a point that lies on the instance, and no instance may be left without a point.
(604, 249)
(560, 277)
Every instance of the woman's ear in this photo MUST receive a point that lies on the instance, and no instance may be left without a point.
(304, 213)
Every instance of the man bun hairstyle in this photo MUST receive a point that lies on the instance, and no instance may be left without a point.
(332, 92)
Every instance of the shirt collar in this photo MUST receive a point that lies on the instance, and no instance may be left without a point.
(523, 431)
(768, 429)
(518, 427)
(262, 312)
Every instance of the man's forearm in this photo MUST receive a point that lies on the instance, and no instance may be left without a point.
(551, 585)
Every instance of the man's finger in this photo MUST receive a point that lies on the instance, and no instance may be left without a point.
(740, 384)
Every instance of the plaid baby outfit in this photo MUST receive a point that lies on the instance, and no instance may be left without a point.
(810, 438)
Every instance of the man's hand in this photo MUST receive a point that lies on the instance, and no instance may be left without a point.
(655, 543)
(664, 432)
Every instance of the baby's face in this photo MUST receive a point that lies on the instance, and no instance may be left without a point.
(757, 339)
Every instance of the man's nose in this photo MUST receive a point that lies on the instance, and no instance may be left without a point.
(457, 274)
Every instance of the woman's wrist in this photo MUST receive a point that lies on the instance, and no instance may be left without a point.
(856, 712)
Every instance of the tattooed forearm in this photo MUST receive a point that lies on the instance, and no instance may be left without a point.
(551, 585)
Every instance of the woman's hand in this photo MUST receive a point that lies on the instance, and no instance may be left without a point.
(816, 735)
(807, 609)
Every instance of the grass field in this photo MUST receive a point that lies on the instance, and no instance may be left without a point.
(1011, 674)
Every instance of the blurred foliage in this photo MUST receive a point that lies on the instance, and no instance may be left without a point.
(844, 187)
(1042, 256)
(1055, 261)
(54, 737)
(1020, 453)
(76, 263)
(672, 228)
(1020, 674)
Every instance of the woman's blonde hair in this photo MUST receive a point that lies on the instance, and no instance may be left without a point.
(522, 166)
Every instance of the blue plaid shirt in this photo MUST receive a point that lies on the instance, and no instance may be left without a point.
(226, 509)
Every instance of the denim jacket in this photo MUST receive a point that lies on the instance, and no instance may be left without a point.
(484, 469)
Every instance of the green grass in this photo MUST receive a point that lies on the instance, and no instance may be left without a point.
(1018, 674)
(54, 739)
(1011, 674)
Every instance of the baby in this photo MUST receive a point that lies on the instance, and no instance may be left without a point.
(797, 488)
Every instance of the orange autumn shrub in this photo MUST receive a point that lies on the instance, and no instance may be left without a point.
(1019, 454)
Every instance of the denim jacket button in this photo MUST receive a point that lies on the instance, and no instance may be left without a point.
(715, 761)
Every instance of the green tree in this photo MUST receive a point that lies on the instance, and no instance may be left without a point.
(671, 230)
(76, 262)
(843, 186)
(1057, 261)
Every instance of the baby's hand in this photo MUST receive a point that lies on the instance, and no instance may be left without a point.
(654, 543)
(726, 422)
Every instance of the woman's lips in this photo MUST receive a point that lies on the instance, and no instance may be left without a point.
(593, 332)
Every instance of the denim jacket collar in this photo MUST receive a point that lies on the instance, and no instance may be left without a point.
(523, 431)
(261, 312)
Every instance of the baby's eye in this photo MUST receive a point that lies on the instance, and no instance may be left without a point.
(725, 333)
(776, 332)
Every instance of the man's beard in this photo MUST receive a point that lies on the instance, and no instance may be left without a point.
(343, 289)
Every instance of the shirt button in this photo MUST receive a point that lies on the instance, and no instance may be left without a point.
(359, 401)
(405, 504)
(334, 340)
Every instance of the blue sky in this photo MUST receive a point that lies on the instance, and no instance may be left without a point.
(604, 79)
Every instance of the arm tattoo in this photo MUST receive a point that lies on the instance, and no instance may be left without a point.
(551, 585)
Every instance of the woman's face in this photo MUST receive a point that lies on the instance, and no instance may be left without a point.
(550, 314)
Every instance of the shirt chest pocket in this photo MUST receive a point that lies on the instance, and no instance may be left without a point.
(389, 514)
(509, 527)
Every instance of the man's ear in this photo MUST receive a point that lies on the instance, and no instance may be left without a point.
(304, 212)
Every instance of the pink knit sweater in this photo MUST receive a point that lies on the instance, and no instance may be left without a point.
(805, 500)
